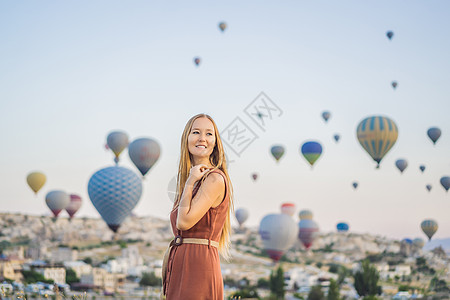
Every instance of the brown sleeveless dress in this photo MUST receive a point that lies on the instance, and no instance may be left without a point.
(193, 271)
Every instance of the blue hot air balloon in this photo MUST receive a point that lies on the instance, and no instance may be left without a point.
(337, 137)
(377, 135)
(311, 151)
(428, 186)
(114, 191)
(390, 34)
(326, 115)
(445, 182)
(434, 134)
(241, 215)
(422, 168)
(401, 164)
(342, 227)
(355, 184)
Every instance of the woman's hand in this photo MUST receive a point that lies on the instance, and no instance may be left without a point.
(196, 173)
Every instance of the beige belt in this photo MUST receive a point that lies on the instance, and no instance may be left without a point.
(177, 241)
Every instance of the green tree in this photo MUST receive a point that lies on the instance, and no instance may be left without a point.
(150, 279)
(438, 285)
(88, 260)
(71, 276)
(276, 282)
(32, 277)
(316, 293)
(366, 280)
(333, 290)
(263, 283)
(343, 272)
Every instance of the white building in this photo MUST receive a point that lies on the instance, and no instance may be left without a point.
(387, 271)
(306, 277)
(80, 267)
(56, 273)
(63, 254)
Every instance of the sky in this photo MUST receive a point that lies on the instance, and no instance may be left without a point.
(71, 72)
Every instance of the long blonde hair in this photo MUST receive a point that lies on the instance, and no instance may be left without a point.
(218, 161)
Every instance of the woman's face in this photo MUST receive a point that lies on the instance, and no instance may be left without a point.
(202, 138)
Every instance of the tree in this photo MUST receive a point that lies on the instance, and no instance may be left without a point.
(276, 282)
(150, 279)
(438, 285)
(263, 283)
(71, 276)
(32, 277)
(316, 293)
(366, 280)
(333, 290)
(88, 260)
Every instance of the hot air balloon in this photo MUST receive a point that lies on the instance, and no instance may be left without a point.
(305, 215)
(197, 61)
(422, 168)
(401, 164)
(288, 209)
(241, 215)
(117, 141)
(342, 227)
(389, 34)
(428, 186)
(278, 233)
(114, 191)
(326, 115)
(74, 205)
(407, 241)
(434, 134)
(172, 188)
(222, 26)
(254, 176)
(418, 242)
(36, 181)
(311, 151)
(377, 135)
(144, 152)
(429, 227)
(57, 201)
(277, 152)
(337, 137)
(308, 232)
(394, 84)
(355, 185)
(445, 181)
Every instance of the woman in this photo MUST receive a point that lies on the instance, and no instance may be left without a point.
(200, 217)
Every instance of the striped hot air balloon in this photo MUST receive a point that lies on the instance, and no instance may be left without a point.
(305, 214)
(377, 135)
(74, 205)
(308, 232)
(429, 227)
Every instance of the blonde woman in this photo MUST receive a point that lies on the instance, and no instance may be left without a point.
(200, 217)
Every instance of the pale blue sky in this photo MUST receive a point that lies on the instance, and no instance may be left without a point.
(72, 71)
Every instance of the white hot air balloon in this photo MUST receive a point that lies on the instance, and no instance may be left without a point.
(278, 233)
(241, 215)
(57, 201)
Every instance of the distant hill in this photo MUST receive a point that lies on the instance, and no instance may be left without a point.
(445, 243)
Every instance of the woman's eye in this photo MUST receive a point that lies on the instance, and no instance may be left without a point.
(210, 133)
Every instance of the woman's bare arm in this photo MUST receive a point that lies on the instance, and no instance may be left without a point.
(190, 212)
